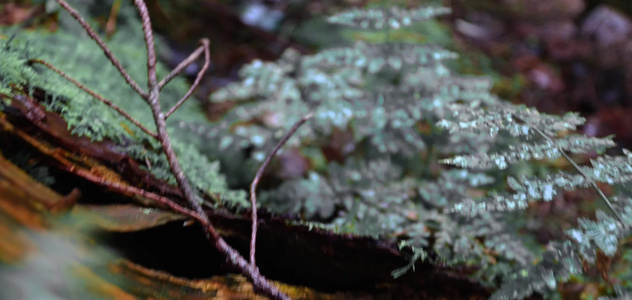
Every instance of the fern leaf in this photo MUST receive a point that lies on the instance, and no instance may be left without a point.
(531, 150)
(533, 188)
(380, 18)
(376, 56)
(516, 120)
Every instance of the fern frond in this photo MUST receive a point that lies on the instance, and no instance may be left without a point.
(529, 150)
(380, 18)
(611, 170)
(516, 120)
(261, 80)
(373, 57)
(602, 234)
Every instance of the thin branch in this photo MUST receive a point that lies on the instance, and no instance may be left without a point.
(159, 117)
(95, 95)
(207, 60)
(108, 53)
(151, 51)
(134, 191)
(185, 63)
(233, 257)
(153, 99)
(255, 182)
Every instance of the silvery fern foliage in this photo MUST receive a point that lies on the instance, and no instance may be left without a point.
(541, 136)
(393, 17)
(379, 96)
(538, 139)
(569, 257)
(379, 91)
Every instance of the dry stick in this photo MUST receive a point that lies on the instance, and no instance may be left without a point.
(131, 190)
(207, 60)
(185, 63)
(152, 98)
(159, 117)
(95, 95)
(255, 182)
(75, 14)
(233, 257)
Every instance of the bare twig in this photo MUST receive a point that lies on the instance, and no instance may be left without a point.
(207, 60)
(184, 64)
(95, 95)
(75, 14)
(153, 99)
(233, 257)
(159, 116)
(255, 182)
(134, 191)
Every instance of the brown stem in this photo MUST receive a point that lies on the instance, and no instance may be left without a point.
(153, 99)
(255, 182)
(185, 63)
(75, 14)
(233, 257)
(131, 190)
(95, 95)
(207, 60)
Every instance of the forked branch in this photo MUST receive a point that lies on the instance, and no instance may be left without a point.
(185, 63)
(75, 14)
(153, 99)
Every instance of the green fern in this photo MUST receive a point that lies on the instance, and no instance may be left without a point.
(539, 136)
(393, 17)
(377, 95)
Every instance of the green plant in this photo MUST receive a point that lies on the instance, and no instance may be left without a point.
(390, 103)
(372, 142)
(541, 137)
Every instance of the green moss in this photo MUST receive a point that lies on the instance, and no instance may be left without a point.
(83, 60)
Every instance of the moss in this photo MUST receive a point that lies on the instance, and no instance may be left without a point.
(83, 60)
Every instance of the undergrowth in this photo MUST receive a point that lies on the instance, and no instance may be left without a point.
(385, 114)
